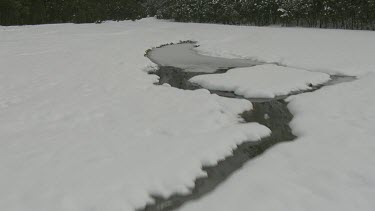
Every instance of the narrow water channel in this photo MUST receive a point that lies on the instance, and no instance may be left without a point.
(177, 64)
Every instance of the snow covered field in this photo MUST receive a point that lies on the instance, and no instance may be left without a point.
(82, 127)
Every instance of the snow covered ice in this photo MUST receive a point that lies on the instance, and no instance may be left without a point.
(262, 81)
(185, 57)
(83, 127)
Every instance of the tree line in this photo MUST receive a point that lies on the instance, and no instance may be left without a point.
(345, 14)
(21, 12)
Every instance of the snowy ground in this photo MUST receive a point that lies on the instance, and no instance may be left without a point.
(82, 127)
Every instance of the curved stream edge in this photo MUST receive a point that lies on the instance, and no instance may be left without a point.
(272, 113)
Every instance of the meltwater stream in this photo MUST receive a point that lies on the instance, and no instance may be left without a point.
(177, 64)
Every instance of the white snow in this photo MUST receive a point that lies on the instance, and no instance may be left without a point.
(262, 81)
(82, 127)
(329, 167)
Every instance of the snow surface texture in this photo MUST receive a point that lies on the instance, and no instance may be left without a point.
(329, 167)
(83, 127)
(262, 81)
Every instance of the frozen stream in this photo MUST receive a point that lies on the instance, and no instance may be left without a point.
(185, 57)
(180, 62)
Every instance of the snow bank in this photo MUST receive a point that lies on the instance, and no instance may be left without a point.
(329, 167)
(262, 81)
